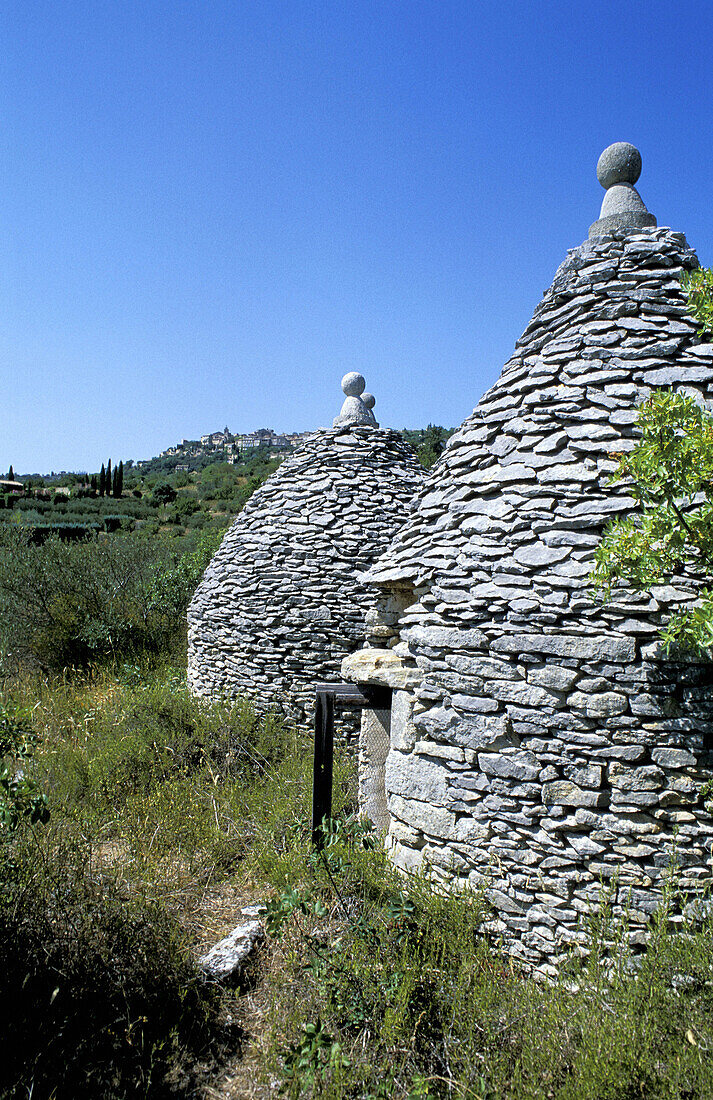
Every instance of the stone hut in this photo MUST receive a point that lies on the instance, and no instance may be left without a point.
(280, 605)
(540, 744)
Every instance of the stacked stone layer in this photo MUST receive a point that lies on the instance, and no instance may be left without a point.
(546, 745)
(280, 605)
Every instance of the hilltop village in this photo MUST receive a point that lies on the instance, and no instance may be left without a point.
(227, 446)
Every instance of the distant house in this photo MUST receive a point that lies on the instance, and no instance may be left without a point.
(247, 442)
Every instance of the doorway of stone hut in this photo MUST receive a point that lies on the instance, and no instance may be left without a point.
(374, 744)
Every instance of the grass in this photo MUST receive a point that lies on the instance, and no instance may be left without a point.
(168, 816)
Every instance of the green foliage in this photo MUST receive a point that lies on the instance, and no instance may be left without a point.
(20, 798)
(671, 474)
(185, 506)
(698, 286)
(156, 734)
(313, 1058)
(174, 582)
(429, 443)
(163, 494)
(68, 604)
(98, 993)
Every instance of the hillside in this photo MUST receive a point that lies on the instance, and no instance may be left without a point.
(177, 494)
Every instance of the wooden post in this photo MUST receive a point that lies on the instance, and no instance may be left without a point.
(323, 762)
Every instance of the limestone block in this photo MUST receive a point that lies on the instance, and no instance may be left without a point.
(589, 775)
(379, 666)
(673, 758)
(580, 646)
(565, 793)
(421, 815)
(552, 677)
(403, 730)
(646, 778)
(227, 959)
(514, 765)
(405, 858)
(417, 777)
(597, 705)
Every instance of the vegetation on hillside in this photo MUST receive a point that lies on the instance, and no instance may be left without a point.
(428, 443)
(159, 498)
(176, 504)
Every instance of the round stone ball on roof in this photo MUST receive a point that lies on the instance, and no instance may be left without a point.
(619, 163)
(369, 400)
(353, 383)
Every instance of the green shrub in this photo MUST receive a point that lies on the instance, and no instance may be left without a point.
(98, 994)
(68, 604)
(20, 798)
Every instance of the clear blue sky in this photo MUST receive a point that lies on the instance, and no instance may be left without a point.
(210, 211)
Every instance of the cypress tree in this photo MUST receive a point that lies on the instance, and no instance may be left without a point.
(93, 483)
(108, 478)
(121, 478)
(11, 474)
(115, 482)
(102, 481)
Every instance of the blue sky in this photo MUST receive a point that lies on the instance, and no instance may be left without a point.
(210, 211)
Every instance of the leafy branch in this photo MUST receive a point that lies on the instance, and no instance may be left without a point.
(671, 476)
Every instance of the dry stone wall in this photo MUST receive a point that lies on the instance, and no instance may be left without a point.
(540, 743)
(280, 604)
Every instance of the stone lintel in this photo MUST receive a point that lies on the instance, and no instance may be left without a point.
(380, 666)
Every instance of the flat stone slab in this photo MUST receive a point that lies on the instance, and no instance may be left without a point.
(379, 666)
(225, 961)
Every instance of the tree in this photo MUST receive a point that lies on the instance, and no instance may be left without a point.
(108, 478)
(671, 470)
(163, 494)
(433, 446)
(11, 474)
(102, 481)
(120, 480)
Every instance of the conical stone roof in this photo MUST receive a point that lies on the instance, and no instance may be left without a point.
(280, 604)
(522, 490)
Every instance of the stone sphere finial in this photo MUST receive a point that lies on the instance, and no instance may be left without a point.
(619, 163)
(353, 384)
(356, 409)
(623, 209)
(369, 401)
